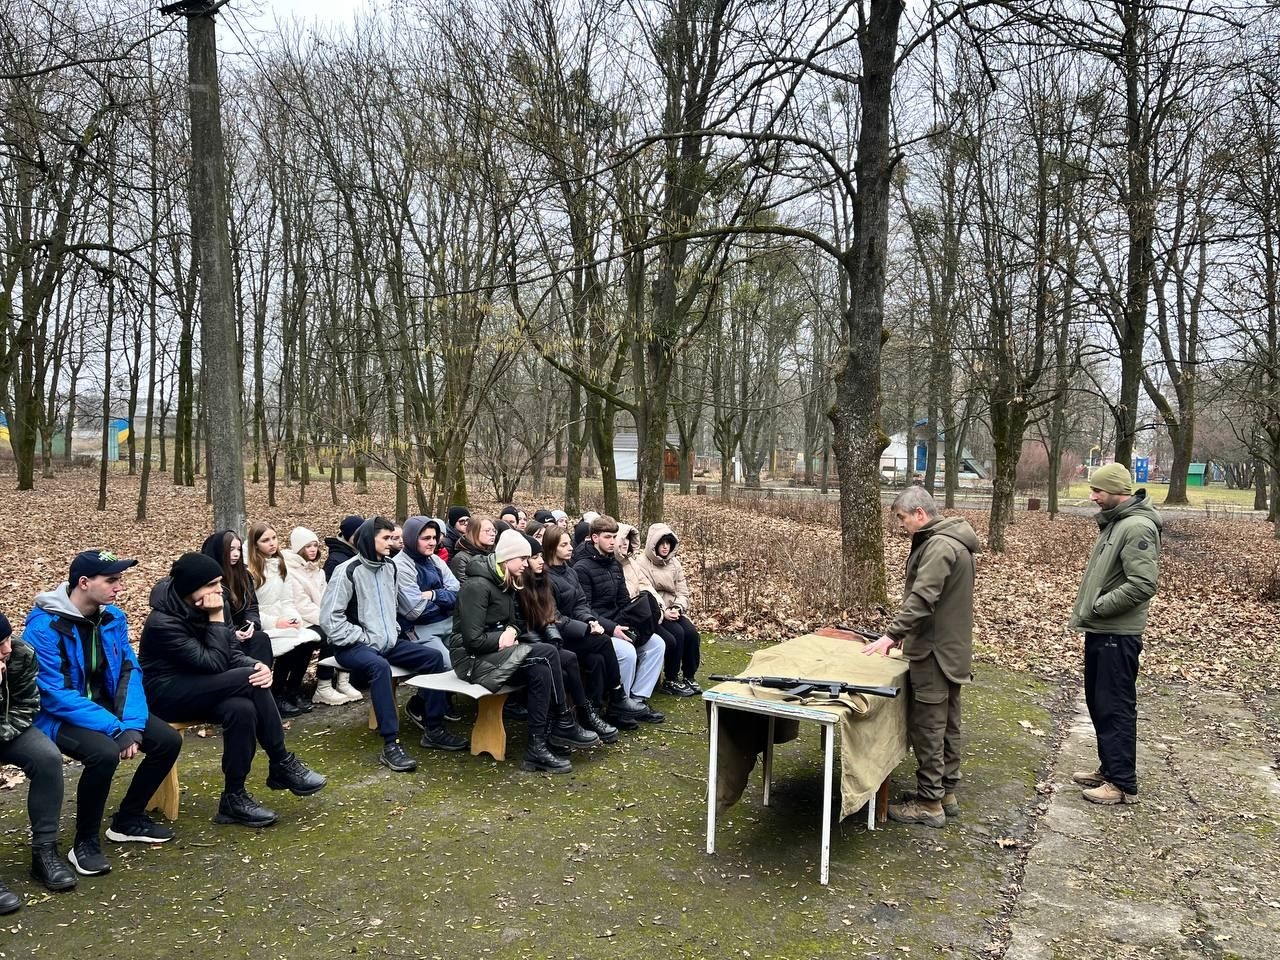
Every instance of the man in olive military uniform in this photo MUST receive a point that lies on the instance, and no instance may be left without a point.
(934, 628)
(1111, 608)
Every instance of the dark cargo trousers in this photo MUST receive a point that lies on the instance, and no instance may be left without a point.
(1111, 694)
(933, 726)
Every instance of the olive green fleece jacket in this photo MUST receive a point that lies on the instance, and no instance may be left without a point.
(1123, 570)
(936, 616)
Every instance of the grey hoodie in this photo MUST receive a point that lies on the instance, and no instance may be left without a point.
(370, 581)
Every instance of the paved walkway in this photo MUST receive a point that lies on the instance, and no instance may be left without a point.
(1192, 871)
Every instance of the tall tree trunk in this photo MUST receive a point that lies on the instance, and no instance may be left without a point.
(858, 438)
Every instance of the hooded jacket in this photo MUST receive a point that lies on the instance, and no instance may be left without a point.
(178, 641)
(339, 553)
(247, 610)
(485, 609)
(19, 693)
(53, 628)
(1123, 571)
(936, 616)
(417, 574)
(370, 581)
(306, 579)
(629, 570)
(663, 575)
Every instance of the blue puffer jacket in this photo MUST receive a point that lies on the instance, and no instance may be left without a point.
(52, 628)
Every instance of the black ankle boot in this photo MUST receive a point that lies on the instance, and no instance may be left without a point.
(237, 806)
(49, 868)
(565, 732)
(588, 717)
(539, 758)
(9, 901)
(293, 775)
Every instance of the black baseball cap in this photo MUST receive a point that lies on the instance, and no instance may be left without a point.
(97, 563)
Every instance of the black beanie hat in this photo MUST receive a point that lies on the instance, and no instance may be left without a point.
(456, 514)
(535, 548)
(6, 629)
(349, 525)
(191, 571)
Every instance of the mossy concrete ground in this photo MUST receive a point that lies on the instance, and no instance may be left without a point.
(471, 858)
(1193, 871)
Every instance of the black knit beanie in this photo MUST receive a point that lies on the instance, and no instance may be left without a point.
(191, 571)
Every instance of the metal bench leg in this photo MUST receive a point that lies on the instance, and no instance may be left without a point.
(489, 735)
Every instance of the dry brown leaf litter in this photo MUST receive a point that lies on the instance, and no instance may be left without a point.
(764, 570)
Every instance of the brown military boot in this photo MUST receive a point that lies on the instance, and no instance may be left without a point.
(928, 812)
(1109, 794)
(950, 805)
(1089, 778)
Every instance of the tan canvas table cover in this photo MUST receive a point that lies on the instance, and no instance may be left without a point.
(872, 730)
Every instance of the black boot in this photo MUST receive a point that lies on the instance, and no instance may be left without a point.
(295, 776)
(565, 732)
(286, 707)
(588, 717)
(539, 758)
(49, 868)
(236, 806)
(299, 700)
(9, 901)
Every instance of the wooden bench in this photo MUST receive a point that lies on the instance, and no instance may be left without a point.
(397, 674)
(489, 734)
(166, 797)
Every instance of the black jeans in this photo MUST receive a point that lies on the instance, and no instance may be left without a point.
(543, 678)
(258, 646)
(291, 668)
(37, 757)
(684, 647)
(1111, 693)
(247, 714)
(596, 659)
(100, 755)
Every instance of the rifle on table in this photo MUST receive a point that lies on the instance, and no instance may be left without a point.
(801, 687)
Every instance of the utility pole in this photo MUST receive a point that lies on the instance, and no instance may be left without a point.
(209, 212)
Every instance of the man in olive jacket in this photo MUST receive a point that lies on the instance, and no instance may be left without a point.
(934, 628)
(1111, 608)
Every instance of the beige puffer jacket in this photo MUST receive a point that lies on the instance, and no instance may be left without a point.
(663, 575)
(628, 563)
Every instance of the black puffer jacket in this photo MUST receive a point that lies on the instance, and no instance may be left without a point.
(19, 695)
(178, 641)
(461, 557)
(339, 553)
(603, 583)
(485, 609)
(571, 602)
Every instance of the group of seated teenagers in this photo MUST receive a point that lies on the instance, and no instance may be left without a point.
(585, 623)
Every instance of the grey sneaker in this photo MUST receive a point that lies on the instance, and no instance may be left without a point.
(86, 856)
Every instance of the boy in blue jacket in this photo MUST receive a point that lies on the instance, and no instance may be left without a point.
(93, 707)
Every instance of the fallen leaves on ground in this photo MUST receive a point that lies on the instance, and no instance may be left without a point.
(760, 569)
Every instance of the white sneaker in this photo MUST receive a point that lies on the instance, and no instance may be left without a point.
(342, 683)
(327, 695)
